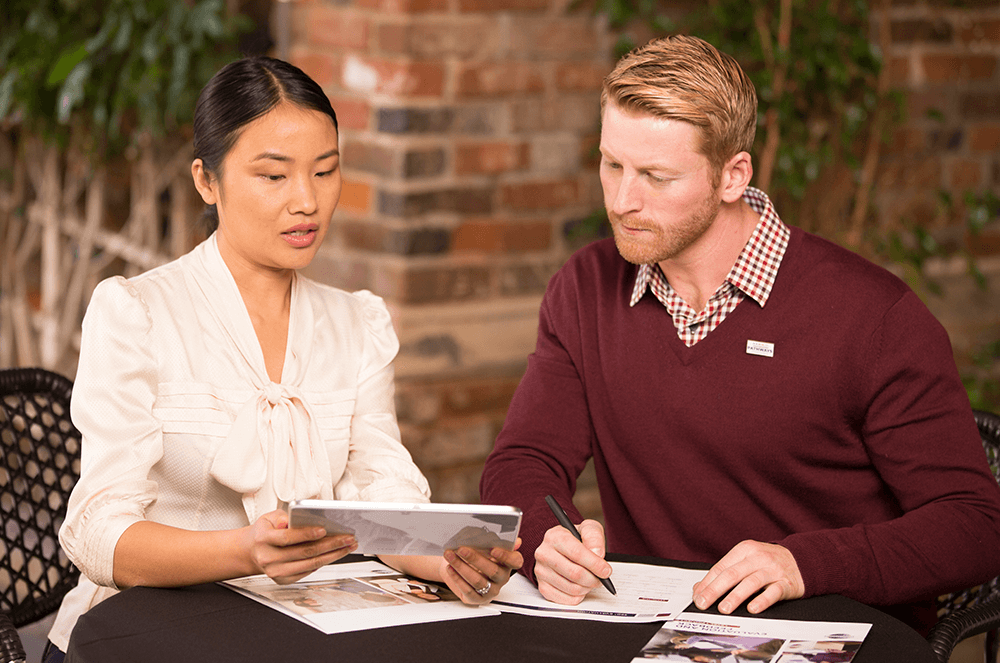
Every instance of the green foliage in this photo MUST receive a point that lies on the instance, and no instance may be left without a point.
(832, 67)
(110, 68)
(982, 379)
(912, 245)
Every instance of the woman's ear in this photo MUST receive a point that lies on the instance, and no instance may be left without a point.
(204, 182)
(736, 175)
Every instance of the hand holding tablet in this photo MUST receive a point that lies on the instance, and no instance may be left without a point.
(388, 528)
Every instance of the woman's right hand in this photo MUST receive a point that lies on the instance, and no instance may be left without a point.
(288, 555)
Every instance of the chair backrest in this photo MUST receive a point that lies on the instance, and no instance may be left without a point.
(39, 465)
(989, 432)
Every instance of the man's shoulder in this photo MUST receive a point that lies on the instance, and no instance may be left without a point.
(826, 264)
(595, 263)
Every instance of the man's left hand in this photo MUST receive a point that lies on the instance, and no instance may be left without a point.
(751, 566)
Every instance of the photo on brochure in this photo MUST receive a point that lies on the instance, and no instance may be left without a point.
(356, 596)
(720, 639)
(317, 597)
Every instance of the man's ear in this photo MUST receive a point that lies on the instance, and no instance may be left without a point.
(204, 182)
(736, 175)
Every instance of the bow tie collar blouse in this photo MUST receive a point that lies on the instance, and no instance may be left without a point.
(181, 424)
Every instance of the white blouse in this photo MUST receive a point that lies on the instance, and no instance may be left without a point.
(182, 426)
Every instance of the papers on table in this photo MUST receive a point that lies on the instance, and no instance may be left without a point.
(352, 597)
(363, 595)
(725, 639)
(646, 593)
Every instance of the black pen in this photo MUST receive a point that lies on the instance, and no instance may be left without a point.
(564, 521)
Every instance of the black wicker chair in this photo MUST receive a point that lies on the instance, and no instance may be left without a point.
(975, 610)
(39, 465)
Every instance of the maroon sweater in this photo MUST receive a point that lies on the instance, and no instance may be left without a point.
(853, 446)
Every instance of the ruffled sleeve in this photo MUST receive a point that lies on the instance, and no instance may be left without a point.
(112, 405)
(379, 468)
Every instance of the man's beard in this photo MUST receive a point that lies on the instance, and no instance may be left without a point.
(662, 243)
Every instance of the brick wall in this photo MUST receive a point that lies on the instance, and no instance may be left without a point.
(945, 55)
(467, 136)
(467, 130)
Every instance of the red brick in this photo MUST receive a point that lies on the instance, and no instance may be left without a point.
(907, 140)
(338, 28)
(980, 30)
(356, 197)
(487, 394)
(429, 284)
(492, 236)
(580, 76)
(965, 174)
(921, 208)
(590, 154)
(368, 157)
(351, 113)
(930, 102)
(899, 70)
(399, 78)
(945, 67)
(921, 30)
(502, 5)
(564, 38)
(393, 38)
(469, 38)
(985, 138)
(491, 158)
(541, 195)
(321, 68)
(499, 78)
(984, 244)
(363, 235)
(905, 173)
(404, 6)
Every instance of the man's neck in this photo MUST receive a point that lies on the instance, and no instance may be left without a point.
(697, 272)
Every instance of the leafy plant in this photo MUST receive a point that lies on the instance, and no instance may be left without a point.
(982, 379)
(911, 246)
(823, 105)
(110, 68)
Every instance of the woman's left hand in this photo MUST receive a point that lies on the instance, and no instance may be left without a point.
(476, 577)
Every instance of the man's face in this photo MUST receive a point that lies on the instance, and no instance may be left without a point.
(658, 189)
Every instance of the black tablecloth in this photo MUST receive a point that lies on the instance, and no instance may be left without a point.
(211, 623)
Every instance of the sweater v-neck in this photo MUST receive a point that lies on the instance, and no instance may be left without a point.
(660, 323)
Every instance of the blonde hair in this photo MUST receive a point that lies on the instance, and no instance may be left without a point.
(685, 78)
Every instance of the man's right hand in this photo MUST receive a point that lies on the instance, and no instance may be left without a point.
(566, 569)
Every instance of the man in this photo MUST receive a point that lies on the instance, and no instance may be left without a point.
(752, 396)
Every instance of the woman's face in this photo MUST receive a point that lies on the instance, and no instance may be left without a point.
(279, 186)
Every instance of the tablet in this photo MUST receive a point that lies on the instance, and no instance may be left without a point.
(394, 528)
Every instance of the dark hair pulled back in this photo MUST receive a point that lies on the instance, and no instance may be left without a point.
(238, 94)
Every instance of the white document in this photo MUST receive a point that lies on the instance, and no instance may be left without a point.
(646, 593)
(732, 639)
(362, 595)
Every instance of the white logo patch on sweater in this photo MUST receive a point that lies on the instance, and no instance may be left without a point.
(760, 348)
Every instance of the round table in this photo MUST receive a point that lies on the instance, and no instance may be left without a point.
(212, 623)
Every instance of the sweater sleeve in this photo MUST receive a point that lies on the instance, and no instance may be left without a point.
(546, 438)
(920, 435)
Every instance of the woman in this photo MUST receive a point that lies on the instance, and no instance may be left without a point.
(214, 389)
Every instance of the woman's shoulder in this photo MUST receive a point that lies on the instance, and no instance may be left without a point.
(362, 306)
(160, 291)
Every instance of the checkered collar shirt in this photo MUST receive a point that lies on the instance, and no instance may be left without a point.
(753, 275)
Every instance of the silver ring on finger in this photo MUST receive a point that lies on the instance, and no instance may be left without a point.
(485, 590)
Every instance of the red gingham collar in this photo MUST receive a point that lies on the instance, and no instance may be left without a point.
(757, 266)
